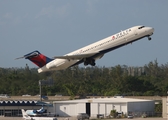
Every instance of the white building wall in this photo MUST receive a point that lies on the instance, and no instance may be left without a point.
(124, 108)
(69, 109)
(117, 107)
(109, 107)
(72, 110)
(164, 107)
(101, 108)
(81, 108)
(94, 109)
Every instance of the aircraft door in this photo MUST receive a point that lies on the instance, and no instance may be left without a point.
(88, 110)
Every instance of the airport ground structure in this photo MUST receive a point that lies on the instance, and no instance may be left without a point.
(93, 105)
(13, 108)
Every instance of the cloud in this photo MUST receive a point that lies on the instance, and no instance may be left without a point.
(51, 11)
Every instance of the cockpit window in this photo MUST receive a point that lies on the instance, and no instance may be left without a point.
(141, 27)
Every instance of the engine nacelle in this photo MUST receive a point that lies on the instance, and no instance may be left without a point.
(55, 64)
(50, 65)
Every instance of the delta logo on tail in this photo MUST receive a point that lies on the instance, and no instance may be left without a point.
(37, 58)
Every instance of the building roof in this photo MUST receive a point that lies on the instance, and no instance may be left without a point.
(103, 100)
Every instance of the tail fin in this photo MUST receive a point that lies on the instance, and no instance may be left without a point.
(37, 58)
(41, 110)
(25, 116)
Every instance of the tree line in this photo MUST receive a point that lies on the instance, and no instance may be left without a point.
(150, 79)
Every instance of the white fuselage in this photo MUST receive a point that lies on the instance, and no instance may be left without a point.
(27, 117)
(103, 46)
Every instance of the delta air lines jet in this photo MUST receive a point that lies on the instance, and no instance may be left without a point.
(89, 54)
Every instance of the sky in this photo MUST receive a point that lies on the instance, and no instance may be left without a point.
(58, 27)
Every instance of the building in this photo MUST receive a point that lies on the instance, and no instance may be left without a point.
(13, 108)
(103, 106)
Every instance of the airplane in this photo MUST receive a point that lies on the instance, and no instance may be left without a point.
(36, 112)
(27, 117)
(89, 54)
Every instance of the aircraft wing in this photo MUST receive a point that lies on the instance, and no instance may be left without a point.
(76, 57)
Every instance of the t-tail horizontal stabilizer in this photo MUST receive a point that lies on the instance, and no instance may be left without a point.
(37, 58)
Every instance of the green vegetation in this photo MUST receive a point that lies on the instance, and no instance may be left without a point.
(113, 113)
(158, 108)
(150, 79)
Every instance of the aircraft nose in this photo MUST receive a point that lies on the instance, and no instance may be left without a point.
(150, 30)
